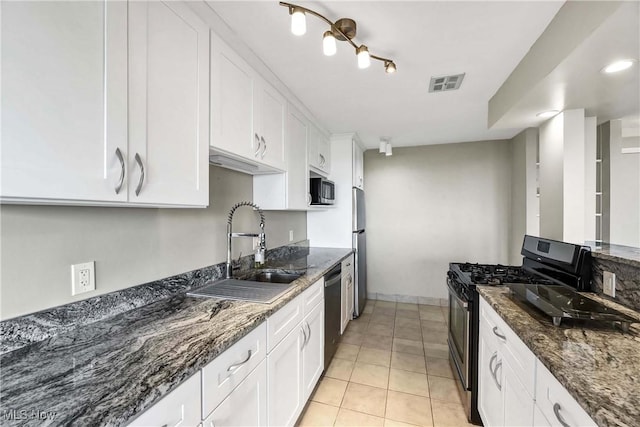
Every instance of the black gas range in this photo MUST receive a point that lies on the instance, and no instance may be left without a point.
(546, 264)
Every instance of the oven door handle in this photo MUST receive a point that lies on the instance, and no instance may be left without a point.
(463, 303)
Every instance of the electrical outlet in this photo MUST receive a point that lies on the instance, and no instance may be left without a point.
(291, 235)
(609, 284)
(83, 277)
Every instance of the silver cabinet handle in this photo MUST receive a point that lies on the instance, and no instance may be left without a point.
(121, 160)
(309, 329)
(556, 410)
(322, 160)
(258, 149)
(495, 374)
(304, 334)
(498, 334)
(494, 371)
(139, 162)
(264, 147)
(237, 365)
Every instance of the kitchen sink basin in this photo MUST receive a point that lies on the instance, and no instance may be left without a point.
(270, 277)
(255, 286)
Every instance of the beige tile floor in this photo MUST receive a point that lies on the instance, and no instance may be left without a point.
(391, 369)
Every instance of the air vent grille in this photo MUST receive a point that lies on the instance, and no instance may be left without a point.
(445, 83)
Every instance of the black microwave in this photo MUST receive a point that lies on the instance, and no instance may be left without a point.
(323, 191)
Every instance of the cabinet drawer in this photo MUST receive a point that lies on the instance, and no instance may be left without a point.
(555, 402)
(246, 405)
(228, 370)
(180, 407)
(520, 358)
(283, 321)
(312, 296)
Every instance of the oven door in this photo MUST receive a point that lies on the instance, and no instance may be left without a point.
(459, 325)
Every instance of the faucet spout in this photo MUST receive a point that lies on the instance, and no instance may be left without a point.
(231, 234)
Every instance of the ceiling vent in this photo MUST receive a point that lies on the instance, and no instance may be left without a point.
(442, 84)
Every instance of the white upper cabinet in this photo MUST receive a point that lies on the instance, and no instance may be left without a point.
(247, 113)
(168, 105)
(104, 103)
(289, 190)
(319, 152)
(269, 124)
(64, 101)
(232, 101)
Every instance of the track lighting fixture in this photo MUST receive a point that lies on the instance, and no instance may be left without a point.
(385, 147)
(343, 29)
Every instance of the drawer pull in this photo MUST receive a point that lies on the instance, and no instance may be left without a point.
(237, 365)
(556, 410)
(304, 334)
(494, 371)
(309, 329)
(498, 334)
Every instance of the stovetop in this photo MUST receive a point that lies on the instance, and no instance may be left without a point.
(492, 274)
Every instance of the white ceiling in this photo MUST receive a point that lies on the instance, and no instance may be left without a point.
(484, 39)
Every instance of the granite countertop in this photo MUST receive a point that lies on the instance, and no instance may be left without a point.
(597, 365)
(109, 371)
(623, 254)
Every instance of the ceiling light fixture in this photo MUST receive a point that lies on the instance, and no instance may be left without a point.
(343, 29)
(329, 47)
(547, 114)
(298, 21)
(614, 67)
(383, 145)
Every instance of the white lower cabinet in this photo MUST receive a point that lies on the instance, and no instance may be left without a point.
(514, 388)
(246, 405)
(555, 404)
(180, 407)
(296, 362)
(240, 387)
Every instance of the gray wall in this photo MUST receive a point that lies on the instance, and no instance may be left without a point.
(430, 205)
(524, 203)
(130, 246)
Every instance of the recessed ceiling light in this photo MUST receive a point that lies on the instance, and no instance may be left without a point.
(547, 114)
(614, 67)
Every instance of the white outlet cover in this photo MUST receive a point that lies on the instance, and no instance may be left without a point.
(609, 284)
(79, 283)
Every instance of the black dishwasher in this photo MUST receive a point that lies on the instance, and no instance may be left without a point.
(332, 296)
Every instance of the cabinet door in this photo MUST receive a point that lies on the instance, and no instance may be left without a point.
(270, 114)
(344, 320)
(232, 101)
(168, 116)
(284, 366)
(180, 407)
(297, 167)
(64, 101)
(490, 403)
(246, 405)
(324, 154)
(313, 350)
(518, 403)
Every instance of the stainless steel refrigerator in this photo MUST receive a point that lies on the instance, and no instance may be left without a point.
(360, 248)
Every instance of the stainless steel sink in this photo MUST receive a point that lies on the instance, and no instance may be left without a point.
(270, 277)
(256, 286)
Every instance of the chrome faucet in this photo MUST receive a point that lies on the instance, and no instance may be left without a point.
(263, 246)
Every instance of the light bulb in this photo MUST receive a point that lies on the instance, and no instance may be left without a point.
(363, 57)
(329, 44)
(618, 66)
(388, 151)
(383, 146)
(298, 22)
(390, 67)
